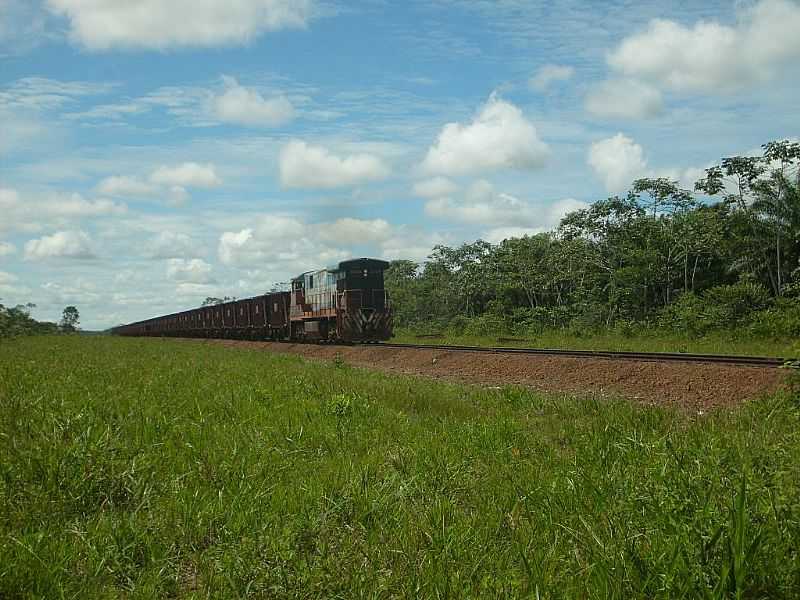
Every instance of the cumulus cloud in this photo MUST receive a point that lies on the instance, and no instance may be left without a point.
(243, 106)
(188, 174)
(62, 244)
(550, 217)
(623, 99)
(618, 161)
(9, 287)
(231, 244)
(550, 74)
(435, 187)
(710, 56)
(194, 270)
(170, 244)
(305, 166)
(6, 249)
(348, 229)
(481, 204)
(503, 214)
(411, 243)
(499, 137)
(99, 25)
(123, 185)
(133, 187)
(289, 244)
(285, 243)
(35, 212)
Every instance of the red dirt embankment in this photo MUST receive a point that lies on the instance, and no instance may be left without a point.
(690, 386)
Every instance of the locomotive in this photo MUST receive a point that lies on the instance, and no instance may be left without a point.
(344, 303)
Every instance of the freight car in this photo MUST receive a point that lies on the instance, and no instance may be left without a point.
(347, 303)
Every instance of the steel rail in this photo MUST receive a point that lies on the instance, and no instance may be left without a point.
(751, 361)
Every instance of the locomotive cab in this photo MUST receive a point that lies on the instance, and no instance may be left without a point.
(365, 312)
(347, 302)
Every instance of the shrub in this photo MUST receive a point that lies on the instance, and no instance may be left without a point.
(540, 318)
(727, 305)
(458, 324)
(684, 314)
(486, 324)
(721, 307)
(781, 320)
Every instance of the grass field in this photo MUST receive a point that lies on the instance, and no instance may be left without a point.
(147, 468)
(788, 347)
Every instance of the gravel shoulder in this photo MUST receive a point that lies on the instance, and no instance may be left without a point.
(692, 387)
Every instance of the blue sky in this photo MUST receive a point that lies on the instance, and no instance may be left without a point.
(154, 153)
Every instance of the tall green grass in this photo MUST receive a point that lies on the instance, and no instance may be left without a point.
(154, 468)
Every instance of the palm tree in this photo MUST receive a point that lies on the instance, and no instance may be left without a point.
(777, 206)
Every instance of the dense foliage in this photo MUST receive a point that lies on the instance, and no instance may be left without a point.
(15, 321)
(724, 256)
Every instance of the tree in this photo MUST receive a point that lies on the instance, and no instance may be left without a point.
(212, 301)
(777, 203)
(70, 319)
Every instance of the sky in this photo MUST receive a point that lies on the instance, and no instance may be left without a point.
(154, 153)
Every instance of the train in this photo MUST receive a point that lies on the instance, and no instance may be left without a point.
(344, 303)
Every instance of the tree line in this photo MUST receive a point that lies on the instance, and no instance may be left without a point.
(725, 254)
(17, 321)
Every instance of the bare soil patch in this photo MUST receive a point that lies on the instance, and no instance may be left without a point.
(694, 387)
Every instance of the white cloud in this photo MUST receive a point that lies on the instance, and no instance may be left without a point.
(624, 99)
(177, 195)
(502, 213)
(435, 187)
(710, 56)
(618, 161)
(79, 292)
(285, 243)
(10, 290)
(549, 74)
(170, 244)
(499, 137)
(62, 244)
(359, 230)
(290, 245)
(103, 24)
(35, 212)
(41, 93)
(244, 106)
(123, 185)
(133, 187)
(306, 166)
(481, 205)
(231, 244)
(195, 270)
(411, 243)
(551, 216)
(7, 249)
(188, 174)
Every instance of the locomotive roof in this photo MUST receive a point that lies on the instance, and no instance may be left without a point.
(361, 262)
(357, 263)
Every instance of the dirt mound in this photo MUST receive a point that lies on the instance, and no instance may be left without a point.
(689, 386)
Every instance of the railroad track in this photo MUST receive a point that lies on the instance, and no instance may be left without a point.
(750, 361)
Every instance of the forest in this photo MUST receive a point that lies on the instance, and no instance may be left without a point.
(724, 256)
